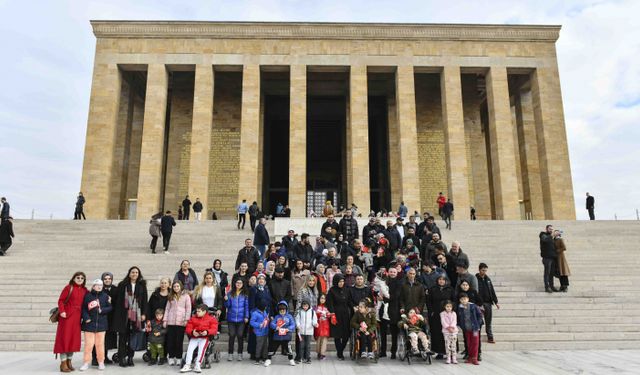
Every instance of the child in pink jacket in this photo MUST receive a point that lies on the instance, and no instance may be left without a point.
(449, 322)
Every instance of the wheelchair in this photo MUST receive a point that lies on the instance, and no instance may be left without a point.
(211, 354)
(404, 348)
(354, 346)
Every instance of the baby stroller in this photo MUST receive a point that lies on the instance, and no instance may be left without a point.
(354, 345)
(404, 347)
(137, 342)
(211, 354)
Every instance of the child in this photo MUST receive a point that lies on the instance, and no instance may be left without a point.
(199, 328)
(260, 324)
(364, 321)
(157, 333)
(470, 321)
(449, 322)
(306, 321)
(322, 331)
(414, 324)
(175, 319)
(283, 325)
(95, 308)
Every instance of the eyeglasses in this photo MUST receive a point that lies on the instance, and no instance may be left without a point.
(79, 277)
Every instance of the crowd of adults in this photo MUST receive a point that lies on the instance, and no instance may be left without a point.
(394, 268)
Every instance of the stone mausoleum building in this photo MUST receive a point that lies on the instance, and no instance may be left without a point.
(297, 113)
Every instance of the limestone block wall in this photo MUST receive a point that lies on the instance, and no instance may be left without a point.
(431, 148)
(135, 144)
(225, 141)
(179, 146)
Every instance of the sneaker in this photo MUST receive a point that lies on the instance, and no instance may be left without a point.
(162, 361)
(454, 360)
(239, 358)
(323, 357)
(448, 360)
(307, 361)
(101, 366)
(393, 356)
(267, 363)
(230, 357)
(292, 362)
(196, 368)
(166, 252)
(85, 366)
(370, 356)
(363, 355)
(172, 362)
(186, 368)
(257, 363)
(151, 362)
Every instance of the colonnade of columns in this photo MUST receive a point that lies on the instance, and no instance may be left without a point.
(547, 164)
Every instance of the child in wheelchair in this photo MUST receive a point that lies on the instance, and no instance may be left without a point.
(200, 328)
(414, 325)
(364, 322)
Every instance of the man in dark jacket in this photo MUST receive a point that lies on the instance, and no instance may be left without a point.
(411, 235)
(456, 254)
(591, 201)
(447, 212)
(280, 289)
(261, 237)
(254, 211)
(6, 235)
(428, 249)
(549, 257)
(248, 254)
(166, 227)
(186, 208)
(370, 230)
(392, 235)
(304, 251)
(412, 295)
(488, 295)
(329, 225)
(349, 227)
(427, 228)
(79, 212)
(289, 242)
(6, 209)
(197, 209)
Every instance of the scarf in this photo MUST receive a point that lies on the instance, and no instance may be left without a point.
(134, 314)
(217, 274)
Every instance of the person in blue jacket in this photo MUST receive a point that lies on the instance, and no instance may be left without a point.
(284, 326)
(95, 307)
(237, 304)
(470, 321)
(260, 324)
(259, 295)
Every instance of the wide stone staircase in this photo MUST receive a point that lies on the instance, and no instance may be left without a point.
(600, 311)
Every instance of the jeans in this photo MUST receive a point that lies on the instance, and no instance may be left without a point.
(166, 239)
(242, 218)
(154, 242)
(261, 249)
(488, 314)
(549, 265)
(236, 330)
(252, 222)
(304, 349)
(447, 220)
(365, 343)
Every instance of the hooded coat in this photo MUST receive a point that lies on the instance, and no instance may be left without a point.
(95, 309)
(283, 321)
(338, 304)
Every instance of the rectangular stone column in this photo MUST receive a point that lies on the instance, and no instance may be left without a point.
(201, 135)
(298, 141)
(455, 146)
(407, 139)
(394, 155)
(101, 133)
(250, 134)
(553, 152)
(152, 150)
(503, 159)
(358, 141)
(530, 165)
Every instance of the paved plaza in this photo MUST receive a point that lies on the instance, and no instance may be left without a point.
(495, 363)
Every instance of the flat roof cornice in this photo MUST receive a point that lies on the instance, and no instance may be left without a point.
(318, 31)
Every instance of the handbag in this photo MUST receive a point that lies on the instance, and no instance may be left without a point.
(54, 314)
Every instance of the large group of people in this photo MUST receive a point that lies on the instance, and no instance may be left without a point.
(349, 285)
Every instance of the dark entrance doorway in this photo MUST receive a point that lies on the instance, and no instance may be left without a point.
(379, 154)
(326, 131)
(276, 153)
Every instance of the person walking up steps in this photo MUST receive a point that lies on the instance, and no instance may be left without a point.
(242, 213)
(166, 227)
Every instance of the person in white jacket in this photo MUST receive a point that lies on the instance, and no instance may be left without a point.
(306, 321)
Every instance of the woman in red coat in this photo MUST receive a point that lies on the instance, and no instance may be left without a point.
(68, 332)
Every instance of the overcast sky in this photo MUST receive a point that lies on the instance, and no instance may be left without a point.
(47, 61)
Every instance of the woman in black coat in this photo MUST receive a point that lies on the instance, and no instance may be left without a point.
(337, 303)
(437, 295)
(130, 311)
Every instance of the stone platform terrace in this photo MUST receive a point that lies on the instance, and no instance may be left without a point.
(600, 312)
(599, 362)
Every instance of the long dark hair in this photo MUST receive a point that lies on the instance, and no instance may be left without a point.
(79, 273)
(141, 281)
